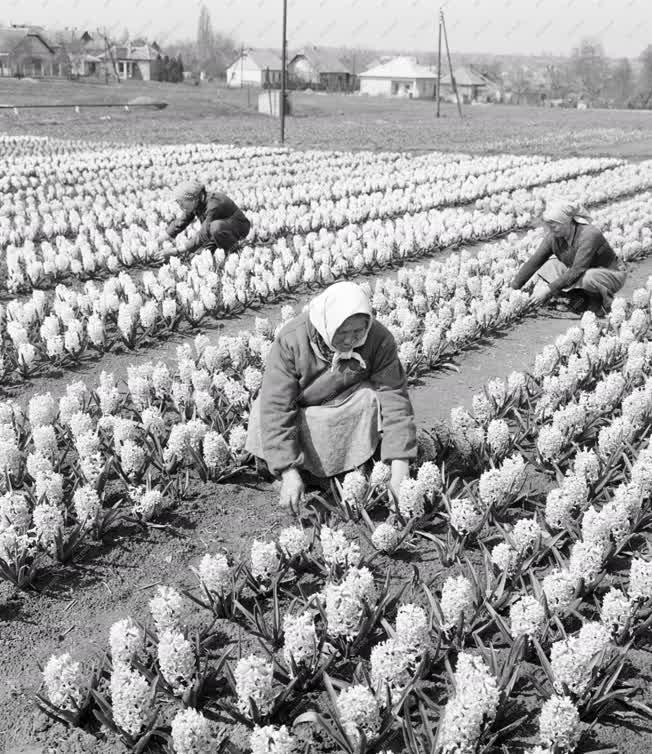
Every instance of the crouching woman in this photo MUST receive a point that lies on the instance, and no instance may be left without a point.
(334, 393)
(574, 260)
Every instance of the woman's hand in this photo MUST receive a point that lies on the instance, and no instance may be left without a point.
(400, 471)
(292, 488)
(540, 295)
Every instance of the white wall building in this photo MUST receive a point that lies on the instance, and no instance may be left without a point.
(400, 77)
(255, 68)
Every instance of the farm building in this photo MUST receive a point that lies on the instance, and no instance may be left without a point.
(255, 68)
(26, 52)
(471, 86)
(80, 51)
(136, 60)
(399, 77)
(320, 68)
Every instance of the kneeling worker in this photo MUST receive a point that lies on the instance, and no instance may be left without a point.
(574, 260)
(223, 223)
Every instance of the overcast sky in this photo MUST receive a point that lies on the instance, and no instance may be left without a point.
(493, 26)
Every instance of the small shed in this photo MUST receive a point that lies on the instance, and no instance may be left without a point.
(260, 68)
(399, 77)
(471, 86)
(320, 68)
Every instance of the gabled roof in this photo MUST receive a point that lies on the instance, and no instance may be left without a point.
(10, 39)
(322, 60)
(464, 76)
(400, 68)
(262, 59)
(129, 52)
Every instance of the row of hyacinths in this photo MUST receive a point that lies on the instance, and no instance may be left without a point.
(118, 221)
(45, 332)
(157, 423)
(553, 574)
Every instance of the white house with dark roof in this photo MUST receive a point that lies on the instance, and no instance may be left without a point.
(255, 68)
(399, 77)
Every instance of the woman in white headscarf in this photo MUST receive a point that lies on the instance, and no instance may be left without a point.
(333, 391)
(223, 223)
(574, 259)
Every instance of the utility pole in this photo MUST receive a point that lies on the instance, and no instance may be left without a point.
(284, 54)
(241, 64)
(438, 92)
(450, 65)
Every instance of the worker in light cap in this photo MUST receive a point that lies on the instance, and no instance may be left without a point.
(574, 260)
(223, 223)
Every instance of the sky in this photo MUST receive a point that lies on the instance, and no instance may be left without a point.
(474, 26)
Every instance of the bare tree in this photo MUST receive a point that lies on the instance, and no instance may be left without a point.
(621, 82)
(645, 80)
(215, 51)
(590, 68)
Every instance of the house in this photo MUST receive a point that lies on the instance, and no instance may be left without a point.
(399, 77)
(319, 68)
(471, 86)
(136, 60)
(25, 52)
(82, 51)
(255, 68)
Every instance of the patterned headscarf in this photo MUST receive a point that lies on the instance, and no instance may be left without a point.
(188, 191)
(331, 309)
(564, 210)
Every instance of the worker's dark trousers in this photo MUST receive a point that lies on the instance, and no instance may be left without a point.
(226, 233)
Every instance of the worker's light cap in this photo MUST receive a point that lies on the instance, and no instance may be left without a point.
(563, 211)
(188, 191)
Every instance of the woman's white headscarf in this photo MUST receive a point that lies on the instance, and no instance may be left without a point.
(332, 308)
(188, 191)
(564, 210)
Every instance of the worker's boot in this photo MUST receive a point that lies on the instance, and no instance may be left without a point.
(577, 301)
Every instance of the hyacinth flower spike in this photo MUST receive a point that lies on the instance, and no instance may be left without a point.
(68, 696)
(219, 586)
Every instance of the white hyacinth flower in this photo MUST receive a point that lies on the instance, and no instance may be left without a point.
(293, 541)
(125, 638)
(130, 699)
(191, 732)
(176, 658)
(168, 609)
(457, 599)
(338, 550)
(300, 638)
(359, 711)
(271, 740)
(253, 681)
(63, 679)
(385, 538)
(526, 617)
(559, 724)
(215, 573)
(265, 560)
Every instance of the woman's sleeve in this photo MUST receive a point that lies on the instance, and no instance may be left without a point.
(541, 255)
(180, 223)
(389, 380)
(279, 411)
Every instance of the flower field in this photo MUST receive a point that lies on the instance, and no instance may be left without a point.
(153, 595)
